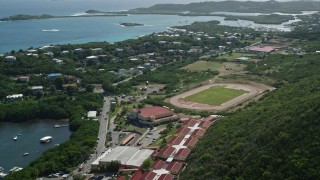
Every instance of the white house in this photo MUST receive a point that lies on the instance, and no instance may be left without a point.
(10, 58)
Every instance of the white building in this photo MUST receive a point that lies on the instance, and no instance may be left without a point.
(10, 58)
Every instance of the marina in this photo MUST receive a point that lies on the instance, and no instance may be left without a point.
(27, 147)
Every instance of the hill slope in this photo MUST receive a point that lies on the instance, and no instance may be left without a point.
(233, 6)
(276, 139)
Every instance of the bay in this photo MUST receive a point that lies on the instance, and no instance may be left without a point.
(11, 152)
(15, 35)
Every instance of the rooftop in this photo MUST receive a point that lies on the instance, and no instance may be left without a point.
(153, 111)
(205, 124)
(149, 175)
(174, 166)
(166, 151)
(183, 153)
(183, 131)
(158, 164)
(175, 140)
(199, 132)
(265, 49)
(130, 156)
(189, 123)
(166, 177)
(191, 142)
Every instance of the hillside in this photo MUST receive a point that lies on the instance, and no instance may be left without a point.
(275, 138)
(233, 6)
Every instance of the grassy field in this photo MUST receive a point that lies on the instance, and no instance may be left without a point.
(215, 96)
(203, 66)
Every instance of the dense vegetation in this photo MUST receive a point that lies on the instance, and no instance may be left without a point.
(232, 6)
(263, 19)
(276, 139)
(20, 17)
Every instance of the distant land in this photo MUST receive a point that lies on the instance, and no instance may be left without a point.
(204, 8)
(89, 13)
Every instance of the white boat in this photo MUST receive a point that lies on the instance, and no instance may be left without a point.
(15, 169)
(15, 138)
(50, 30)
(25, 154)
(46, 139)
(57, 126)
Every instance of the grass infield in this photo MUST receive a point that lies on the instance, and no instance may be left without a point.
(215, 95)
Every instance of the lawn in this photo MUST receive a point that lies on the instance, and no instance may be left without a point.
(215, 96)
(203, 66)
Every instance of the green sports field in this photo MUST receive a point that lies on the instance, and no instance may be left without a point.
(215, 95)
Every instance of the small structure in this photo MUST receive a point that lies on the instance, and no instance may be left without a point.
(174, 167)
(53, 76)
(57, 61)
(149, 175)
(191, 142)
(36, 90)
(175, 140)
(182, 131)
(14, 97)
(242, 58)
(92, 115)
(159, 164)
(165, 152)
(10, 58)
(182, 154)
(23, 79)
(198, 133)
(205, 124)
(262, 49)
(189, 123)
(166, 177)
(127, 139)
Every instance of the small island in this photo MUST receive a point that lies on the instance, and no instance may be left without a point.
(131, 24)
(21, 17)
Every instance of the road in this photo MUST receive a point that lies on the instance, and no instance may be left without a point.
(101, 139)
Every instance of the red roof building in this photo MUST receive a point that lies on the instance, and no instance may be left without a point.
(153, 115)
(174, 167)
(182, 131)
(182, 154)
(166, 177)
(205, 124)
(191, 142)
(149, 175)
(189, 123)
(175, 140)
(198, 133)
(121, 178)
(165, 152)
(137, 175)
(157, 165)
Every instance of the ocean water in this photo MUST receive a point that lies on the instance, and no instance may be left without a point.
(15, 35)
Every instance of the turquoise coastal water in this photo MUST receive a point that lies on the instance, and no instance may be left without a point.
(17, 35)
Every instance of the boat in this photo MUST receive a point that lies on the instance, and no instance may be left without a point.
(25, 154)
(15, 138)
(64, 125)
(19, 134)
(50, 30)
(57, 126)
(15, 169)
(46, 139)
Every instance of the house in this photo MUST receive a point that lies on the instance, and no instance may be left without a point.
(191, 142)
(262, 49)
(14, 97)
(23, 79)
(57, 61)
(79, 50)
(49, 54)
(198, 133)
(165, 152)
(10, 58)
(166, 177)
(96, 50)
(36, 90)
(242, 58)
(92, 115)
(53, 76)
(182, 154)
(174, 167)
(92, 58)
